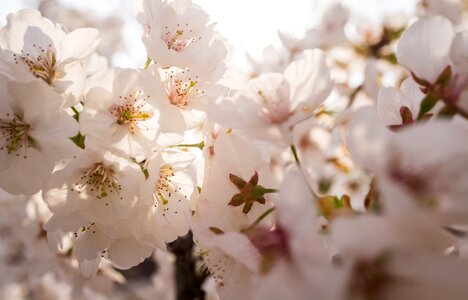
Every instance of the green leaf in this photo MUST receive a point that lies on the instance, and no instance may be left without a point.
(427, 104)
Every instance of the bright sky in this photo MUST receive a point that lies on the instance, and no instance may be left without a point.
(249, 25)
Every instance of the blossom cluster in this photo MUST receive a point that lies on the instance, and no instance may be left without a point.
(297, 183)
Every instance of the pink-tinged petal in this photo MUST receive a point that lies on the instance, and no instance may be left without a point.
(79, 43)
(26, 173)
(171, 120)
(232, 150)
(89, 245)
(58, 241)
(408, 230)
(145, 10)
(388, 106)
(89, 267)
(71, 82)
(234, 281)
(459, 52)
(64, 222)
(128, 252)
(366, 138)
(239, 247)
(424, 48)
(27, 25)
(35, 99)
(309, 80)
(411, 96)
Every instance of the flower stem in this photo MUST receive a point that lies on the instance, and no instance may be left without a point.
(200, 145)
(298, 163)
(260, 218)
(296, 157)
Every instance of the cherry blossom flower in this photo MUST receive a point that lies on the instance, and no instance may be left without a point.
(235, 194)
(95, 197)
(414, 167)
(400, 108)
(34, 135)
(191, 91)
(101, 186)
(426, 40)
(279, 184)
(167, 198)
(178, 34)
(273, 103)
(445, 77)
(32, 47)
(132, 117)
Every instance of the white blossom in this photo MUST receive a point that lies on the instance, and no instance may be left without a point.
(32, 47)
(34, 134)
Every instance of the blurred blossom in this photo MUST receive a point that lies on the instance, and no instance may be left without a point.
(179, 149)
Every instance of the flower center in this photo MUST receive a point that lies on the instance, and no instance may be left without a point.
(131, 112)
(42, 65)
(180, 38)
(100, 179)
(14, 134)
(164, 186)
(181, 89)
(274, 107)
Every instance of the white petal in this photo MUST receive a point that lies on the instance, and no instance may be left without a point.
(239, 247)
(79, 43)
(89, 267)
(388, 106)
(424, 47)
(128, 252)
(90, 244)
(309, 79)
(26, 175)
(459, 52)
(71, 83)
(366, 138)
(27, 27)
(411, 96)
(35, 99)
